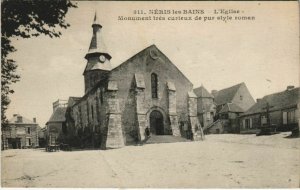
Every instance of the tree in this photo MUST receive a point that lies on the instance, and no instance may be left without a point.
(26, 19)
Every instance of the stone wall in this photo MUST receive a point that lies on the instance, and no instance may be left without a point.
(203, 112)
(91, 112)
(99, 111)
(217, 128)
(91, 78)
(139, 89)
(173, 117)
(114, 128)
(143, 64)
(120, 105)
(196, 128)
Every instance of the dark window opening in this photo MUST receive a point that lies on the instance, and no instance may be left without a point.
(92, 112)
(154, 85)
(80, 116)
(64, 129)
(97, 110)
(88, 112)
(101, 96)
(28, 130)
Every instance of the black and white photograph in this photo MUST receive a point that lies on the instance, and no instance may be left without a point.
(150, 94)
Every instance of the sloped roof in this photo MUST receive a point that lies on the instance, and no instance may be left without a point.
(95, 64)
(96, 20)
(14, 120)
(226, 95)
(151, 47)
(191, 94)
(97, 44)
(58, 115)
(202, 92)
(231, 107)
(128, 61)
(276, 101)
(96, 48)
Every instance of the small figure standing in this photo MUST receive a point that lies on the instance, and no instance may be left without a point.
(147, 132)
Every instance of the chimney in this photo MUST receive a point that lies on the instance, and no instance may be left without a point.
(15, 115)
(258, 100)
(290, 87)
(214, 93)
(34, 120)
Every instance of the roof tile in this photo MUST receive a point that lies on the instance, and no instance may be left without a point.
(226, 95)
(276, 101)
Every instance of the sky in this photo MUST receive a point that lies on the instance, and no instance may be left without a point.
(263, 53)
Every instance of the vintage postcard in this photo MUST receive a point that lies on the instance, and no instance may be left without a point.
(159, 94)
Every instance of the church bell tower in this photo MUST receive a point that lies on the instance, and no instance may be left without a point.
(98, 59)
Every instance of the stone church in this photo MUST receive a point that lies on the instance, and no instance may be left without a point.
(146, 94)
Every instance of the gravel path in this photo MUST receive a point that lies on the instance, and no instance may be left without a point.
(221, 161)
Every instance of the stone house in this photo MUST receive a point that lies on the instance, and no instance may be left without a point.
(283, 112)
(145, 94)
(56, 124)
(206, 108)
(230, 103)
(20, 133)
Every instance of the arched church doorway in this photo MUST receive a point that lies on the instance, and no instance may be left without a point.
(156, 123)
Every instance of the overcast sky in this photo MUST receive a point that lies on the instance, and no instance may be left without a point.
(263, 53)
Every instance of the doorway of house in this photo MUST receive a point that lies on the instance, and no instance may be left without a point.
(156, 123)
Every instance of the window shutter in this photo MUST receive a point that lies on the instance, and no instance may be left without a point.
(244, 124)
(250, 121)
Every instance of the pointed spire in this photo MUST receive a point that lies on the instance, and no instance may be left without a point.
(97, 45)
(96, 22)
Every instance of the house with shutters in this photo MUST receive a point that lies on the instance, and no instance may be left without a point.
(20, 133)
(145, 95)
(282, 110)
